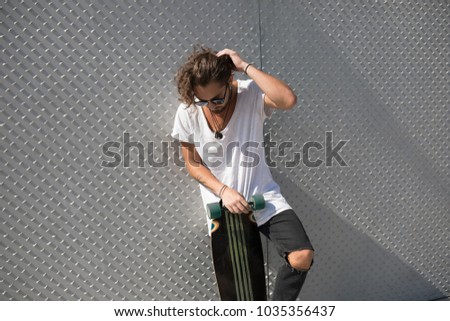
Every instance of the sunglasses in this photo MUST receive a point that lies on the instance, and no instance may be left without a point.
(214, 101)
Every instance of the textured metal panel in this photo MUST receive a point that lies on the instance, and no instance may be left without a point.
(76, 75)
(377, 75)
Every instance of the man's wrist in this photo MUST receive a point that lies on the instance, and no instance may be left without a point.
(222, 190)
(246, 67)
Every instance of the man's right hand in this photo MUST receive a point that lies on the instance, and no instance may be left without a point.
(235, 202)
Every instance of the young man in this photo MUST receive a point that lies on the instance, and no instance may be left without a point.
(220, 126)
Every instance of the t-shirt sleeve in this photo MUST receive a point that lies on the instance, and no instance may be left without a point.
(264, 112)
(182, 129)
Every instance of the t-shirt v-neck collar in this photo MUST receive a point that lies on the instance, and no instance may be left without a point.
(232, 115)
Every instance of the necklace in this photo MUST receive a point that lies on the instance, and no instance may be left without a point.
(217, 132)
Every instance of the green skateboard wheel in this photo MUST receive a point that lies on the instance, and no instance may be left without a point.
(214, 210)
(257, 202)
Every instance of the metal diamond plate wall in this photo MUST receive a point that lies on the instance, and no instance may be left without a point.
(76, 75)
(375, 76)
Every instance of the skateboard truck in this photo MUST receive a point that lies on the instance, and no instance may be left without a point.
(215, 210)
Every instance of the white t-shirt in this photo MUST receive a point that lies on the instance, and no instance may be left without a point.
(238, 159)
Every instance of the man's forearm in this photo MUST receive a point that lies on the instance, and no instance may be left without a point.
(279, 92)
(204, 176)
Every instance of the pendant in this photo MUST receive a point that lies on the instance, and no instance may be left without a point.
(218, 135)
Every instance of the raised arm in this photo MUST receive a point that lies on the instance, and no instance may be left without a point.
(278, 94)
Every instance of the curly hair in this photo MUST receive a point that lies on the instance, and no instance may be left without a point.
(201, 68)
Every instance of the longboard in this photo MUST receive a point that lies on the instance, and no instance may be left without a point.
(237, 253)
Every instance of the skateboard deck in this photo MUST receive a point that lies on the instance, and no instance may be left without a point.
(237, 253)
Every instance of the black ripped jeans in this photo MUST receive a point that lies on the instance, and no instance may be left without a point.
(287, 233)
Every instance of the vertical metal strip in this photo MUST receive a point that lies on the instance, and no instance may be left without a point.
(266, 241)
